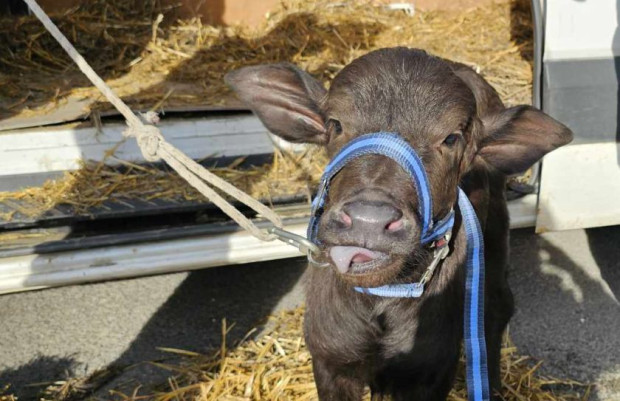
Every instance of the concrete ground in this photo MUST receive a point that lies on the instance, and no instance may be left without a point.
(566, 285)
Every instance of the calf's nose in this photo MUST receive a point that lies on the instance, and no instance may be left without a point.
(372, 217)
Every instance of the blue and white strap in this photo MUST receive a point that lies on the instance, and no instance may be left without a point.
(475, 346)
(395, 147)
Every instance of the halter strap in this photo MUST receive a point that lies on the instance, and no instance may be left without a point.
(391, 145)
(475, 345)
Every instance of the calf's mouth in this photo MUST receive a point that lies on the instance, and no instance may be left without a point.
(365, 235)
(364, 267)
(357, 260)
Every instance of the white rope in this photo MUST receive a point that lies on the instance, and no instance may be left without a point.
(154, 147)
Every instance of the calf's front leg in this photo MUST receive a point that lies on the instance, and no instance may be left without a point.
(335, 386)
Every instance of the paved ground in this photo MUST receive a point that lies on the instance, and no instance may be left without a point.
(567, 287)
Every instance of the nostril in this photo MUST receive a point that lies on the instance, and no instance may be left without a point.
(346, 219)
(396, 225)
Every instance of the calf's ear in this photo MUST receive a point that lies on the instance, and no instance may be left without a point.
(518, 137)
(285, 98)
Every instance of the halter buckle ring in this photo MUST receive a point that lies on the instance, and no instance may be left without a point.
(439, 254)
(305, 246)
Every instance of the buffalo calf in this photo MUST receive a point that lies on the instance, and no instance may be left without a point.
(405, 348)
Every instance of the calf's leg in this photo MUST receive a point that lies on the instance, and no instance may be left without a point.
(499, 312)
(335, 386)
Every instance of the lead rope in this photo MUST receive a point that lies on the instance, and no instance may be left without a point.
(154, 147)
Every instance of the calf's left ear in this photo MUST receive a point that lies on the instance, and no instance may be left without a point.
(518, 137)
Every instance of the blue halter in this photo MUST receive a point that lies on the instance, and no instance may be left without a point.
(394, 146)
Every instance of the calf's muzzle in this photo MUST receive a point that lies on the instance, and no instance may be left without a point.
(374, 218)
(366, 223)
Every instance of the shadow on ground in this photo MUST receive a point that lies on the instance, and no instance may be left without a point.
(191, 319)
(567, 310)
(606, 251)
(39, 371)
(188, 319)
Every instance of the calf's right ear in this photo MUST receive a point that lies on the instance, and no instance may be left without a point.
(285, 98)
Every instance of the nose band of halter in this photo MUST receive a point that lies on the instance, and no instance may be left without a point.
(396, 148)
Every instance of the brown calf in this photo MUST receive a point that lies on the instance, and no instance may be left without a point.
(407, 348)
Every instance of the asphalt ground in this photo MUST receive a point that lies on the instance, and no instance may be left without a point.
(566, 286)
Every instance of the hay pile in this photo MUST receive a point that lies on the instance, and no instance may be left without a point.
(35, 73)
(277, 366)
(153, 59)
(97, 182)
(182, 62)
(5, 394)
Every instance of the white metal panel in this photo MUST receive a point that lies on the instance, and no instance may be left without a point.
(40, 271)
(580, 183)
(522, 211)
(32, 272)
(576, 29)
(60, 148)
(580, 187)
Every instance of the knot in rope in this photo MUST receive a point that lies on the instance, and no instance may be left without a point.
(149, 140)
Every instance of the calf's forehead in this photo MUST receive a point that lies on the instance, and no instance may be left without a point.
(399, 90)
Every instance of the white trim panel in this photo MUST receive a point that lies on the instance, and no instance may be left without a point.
(65, 268)
(60, 148)
(580, 187)
(577, 29)
(40, 271)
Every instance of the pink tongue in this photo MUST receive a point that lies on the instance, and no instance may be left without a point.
(344, 255)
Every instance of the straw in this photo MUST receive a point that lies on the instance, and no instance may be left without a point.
(276, 365)
(150, 57)
(182, 62)
(97, 182)
(5, 394)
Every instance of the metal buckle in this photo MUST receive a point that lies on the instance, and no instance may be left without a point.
(305, 246)
(439, 254)
(313, 262)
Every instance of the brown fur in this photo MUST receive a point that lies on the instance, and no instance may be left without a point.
(405, 348)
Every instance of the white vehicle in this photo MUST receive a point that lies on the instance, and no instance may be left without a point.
(575, 80)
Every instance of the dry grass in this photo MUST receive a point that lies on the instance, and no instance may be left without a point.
(180, 62)
(5, 394)
(35, 73)
(96, 182)
(277, 366)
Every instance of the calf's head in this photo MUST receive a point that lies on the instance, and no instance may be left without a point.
(370, 229)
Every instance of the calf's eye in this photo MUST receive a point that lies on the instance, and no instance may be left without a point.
(452, 139)
(334, 126)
